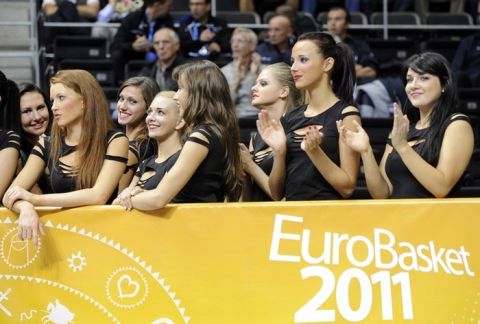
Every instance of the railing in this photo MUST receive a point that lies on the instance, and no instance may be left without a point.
(33, 51)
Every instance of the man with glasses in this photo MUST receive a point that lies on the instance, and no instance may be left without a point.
(201, 35)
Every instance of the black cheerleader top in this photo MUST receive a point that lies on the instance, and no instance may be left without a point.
(404, 184)
(159, 170)
(62, 177)
(303, 180)
(9, 139)
(208, 182)
(262, 156)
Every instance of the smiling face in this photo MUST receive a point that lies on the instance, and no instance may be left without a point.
(423, 89)
(308, 64)
(34, 113)
(266, 90)
(163, 118)
(67, 105)
(131, 106)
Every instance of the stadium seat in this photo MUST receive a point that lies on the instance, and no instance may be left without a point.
(134, 67)
(446, 18)
(396, 18)
(102, 69)
(238, 17)
(469, 101)
(446, 47)
(391, 53)
(79, 47)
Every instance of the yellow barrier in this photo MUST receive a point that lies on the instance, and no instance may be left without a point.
(339, 261)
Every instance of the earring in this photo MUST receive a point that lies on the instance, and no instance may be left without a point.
(443, 90)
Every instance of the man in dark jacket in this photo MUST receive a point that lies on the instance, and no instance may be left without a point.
(201, 35)
(167, 46)
(466, 63)
(134, 38)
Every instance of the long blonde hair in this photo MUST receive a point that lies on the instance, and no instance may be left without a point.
(96, 123)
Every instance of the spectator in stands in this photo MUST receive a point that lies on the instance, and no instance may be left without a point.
(201, 35)
(274, 91)
(9, 153)
(34, 115)
(68, 11)
(83, 159)
(262, 6)
(366, 65)
(301, 22)
(167, 47)
(242, 72)
(278, 47)
(466, 62)
(309, 160)
(373, 95)
(134, 38)
(208, 167)
(165, 126)
(134, 97)
(114, 11)
(9, 105)
(428, 151)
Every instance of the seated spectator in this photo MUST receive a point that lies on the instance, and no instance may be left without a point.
(374, 96)
(301, 24)
(262, 6)
(167, 45)
(366, 65)
(278, 47)
(134, 38)
(114, 11)
(68, 11)
(243, 71)
(466, 62)
(201, 35)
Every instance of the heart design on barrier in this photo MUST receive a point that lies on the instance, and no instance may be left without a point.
(128, 289)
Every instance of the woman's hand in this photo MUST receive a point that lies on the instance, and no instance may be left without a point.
(124, 199)
(272, 132)
(311, 140)
(357, 140)
(245, 157)
(29, 225)
(17, 193)
(401, 124)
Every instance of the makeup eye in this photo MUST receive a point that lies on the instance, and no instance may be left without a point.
(263, 83)
(303, 59)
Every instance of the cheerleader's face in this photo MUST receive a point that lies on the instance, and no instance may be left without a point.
(163, 118)
(423, 89)
(131, 106)
(34, 113)
(266, 90)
